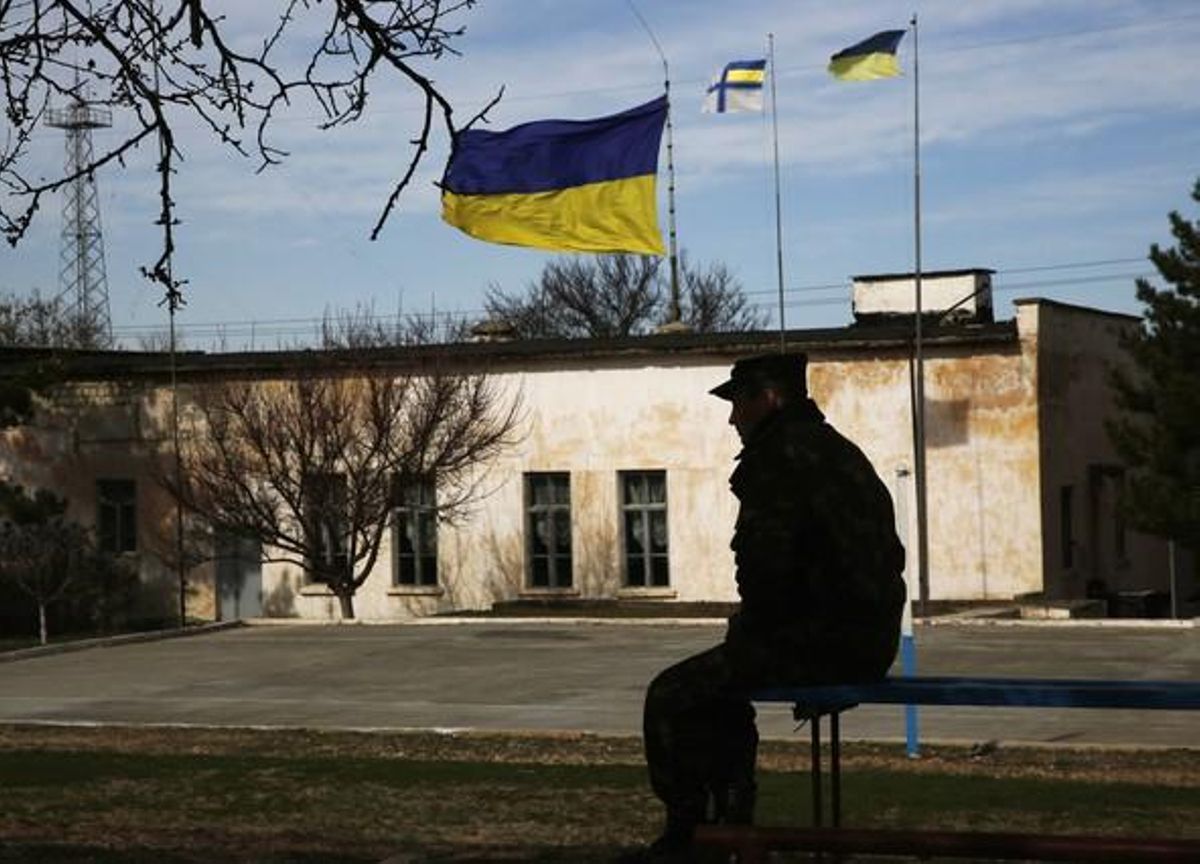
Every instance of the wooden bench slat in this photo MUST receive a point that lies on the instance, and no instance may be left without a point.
(752, 843)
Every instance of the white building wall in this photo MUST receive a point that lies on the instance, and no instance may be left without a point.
(594, 421)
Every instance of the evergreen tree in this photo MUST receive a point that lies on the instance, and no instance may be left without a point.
(1158, 432)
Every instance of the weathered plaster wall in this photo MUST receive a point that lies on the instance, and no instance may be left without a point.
(94, 431)
(1077, 348)
(593, 422)
(981, 458)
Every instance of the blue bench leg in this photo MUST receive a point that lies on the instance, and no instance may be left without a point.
(815, 729)
(835, 768)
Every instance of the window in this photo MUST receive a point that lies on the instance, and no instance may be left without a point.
(1120, 544)
(548, 529)
(1066, 529)
(644, 517)
(116, 515)
(325, 523)
(414, 534)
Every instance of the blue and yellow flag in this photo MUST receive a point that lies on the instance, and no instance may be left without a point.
(563, 185)
(869, 59)
(737, 87)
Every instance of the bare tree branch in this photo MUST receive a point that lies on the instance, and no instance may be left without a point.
(171, 62)
(310, 465)
(621, 295)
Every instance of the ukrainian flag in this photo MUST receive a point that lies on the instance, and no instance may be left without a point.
(869, 59)
(563, 185)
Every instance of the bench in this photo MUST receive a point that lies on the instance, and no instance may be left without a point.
(812, 703)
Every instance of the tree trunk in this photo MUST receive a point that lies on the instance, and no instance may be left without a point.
(42, 622)
(346, 599)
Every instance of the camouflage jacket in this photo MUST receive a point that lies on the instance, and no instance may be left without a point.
(819, 565)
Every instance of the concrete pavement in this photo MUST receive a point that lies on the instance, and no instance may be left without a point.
(509, 675)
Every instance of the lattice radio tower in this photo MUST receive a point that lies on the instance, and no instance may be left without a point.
(83, 283)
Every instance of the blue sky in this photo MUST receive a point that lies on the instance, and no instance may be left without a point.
(1055, 137)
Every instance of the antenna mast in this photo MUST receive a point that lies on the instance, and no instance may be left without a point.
(83, 283)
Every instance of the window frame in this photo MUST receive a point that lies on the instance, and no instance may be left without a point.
(556, 511)
(408, 516)
(645, 512)
(331, 536)
(1066, 519)
(123, 509)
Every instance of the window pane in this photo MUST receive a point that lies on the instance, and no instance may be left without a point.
(427, 531)
(429, 570)
(562, 490)
(407, 533)
(539, 572)
(635, 533)
(635, 489)
(635, 566)
(658, 530)
(562, 572)
(541, 492)
(562, 532)
(128, 528)
(659, 575)
(408, 573)
(656, 487)
(540, 539)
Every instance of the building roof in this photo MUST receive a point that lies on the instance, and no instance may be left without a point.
(507, 355)
(925, 274)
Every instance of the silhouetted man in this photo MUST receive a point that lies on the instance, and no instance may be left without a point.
(820, 577)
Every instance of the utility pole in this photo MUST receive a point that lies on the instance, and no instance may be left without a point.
(83, 283)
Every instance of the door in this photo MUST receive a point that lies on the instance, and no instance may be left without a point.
(239, 577)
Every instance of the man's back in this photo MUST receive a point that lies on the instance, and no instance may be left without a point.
(819, 565)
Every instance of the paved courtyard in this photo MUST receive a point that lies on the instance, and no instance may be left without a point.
(505, 675)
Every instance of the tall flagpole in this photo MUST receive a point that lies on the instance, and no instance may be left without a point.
(918, 348)
(675, 312)
(778, 205)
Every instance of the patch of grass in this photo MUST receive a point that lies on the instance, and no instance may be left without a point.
(127, 796)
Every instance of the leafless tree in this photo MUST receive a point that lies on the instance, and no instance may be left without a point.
(169, 63)
(361, 327)
(41, 552)
(313, 464)
(37, 322)
(713, 301)
(620, 295)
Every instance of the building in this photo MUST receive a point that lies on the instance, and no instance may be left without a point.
(618, 488)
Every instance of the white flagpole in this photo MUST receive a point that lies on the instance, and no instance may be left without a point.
(918, 348)
(778, 204)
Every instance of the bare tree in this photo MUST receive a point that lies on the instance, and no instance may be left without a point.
(713, 300)
(313, 465)
(620, 295)
(171, 62)
(41, 553)
(361, 327)
(37, 322)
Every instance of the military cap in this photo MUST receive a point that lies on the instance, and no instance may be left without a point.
(785, 371)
